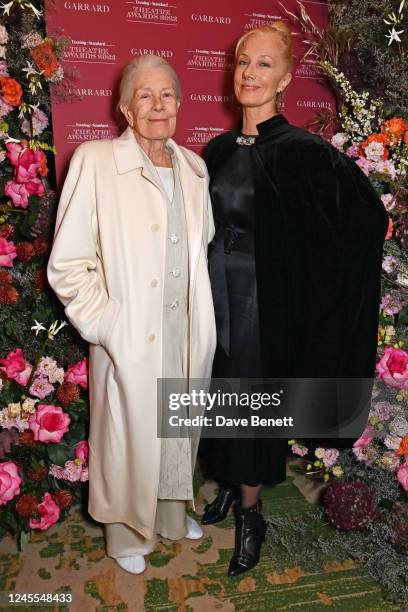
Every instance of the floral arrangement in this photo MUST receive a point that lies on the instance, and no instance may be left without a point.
(43, 375)
(45, 412)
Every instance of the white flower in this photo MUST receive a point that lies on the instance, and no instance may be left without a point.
(374, 151)
(402, 279)
(394, 35)
(3, 35)
(399, 426)
(3, 51)
(1, 384)
(390, 263)
(54, 328)
(56, 375)
(339, 140)
(29, 405)
(38, 326)
(337, 471)
(389, 201)
(392, 442)
(319, 452)
(14, 409)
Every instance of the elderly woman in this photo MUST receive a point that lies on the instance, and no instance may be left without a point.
(129, 263)
(295, 269)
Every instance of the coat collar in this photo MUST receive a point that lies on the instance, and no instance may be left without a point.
(267, 128)
(129, 155)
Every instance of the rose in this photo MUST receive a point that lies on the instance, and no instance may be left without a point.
(11, 90)
(386, 167)
(330, 457)
(375, 151)
(7, 252)
(402, 475)
(9, 481)
(390, 264)
(82, 451)
(78, 373)
(49, 423)
(319, 452)
(49, 514)
(393, 368)
(16, 367)
(45, 58)
(18, 193)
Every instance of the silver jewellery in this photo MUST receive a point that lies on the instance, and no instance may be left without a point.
(245, 140)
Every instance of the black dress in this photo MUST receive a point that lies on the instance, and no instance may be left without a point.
(295, 272)
(239, 460)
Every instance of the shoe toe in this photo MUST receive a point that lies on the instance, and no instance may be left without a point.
(134, 565)
(194, 531)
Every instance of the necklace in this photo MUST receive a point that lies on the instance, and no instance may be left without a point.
(245, 140)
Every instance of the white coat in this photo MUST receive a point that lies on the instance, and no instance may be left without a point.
(109, 244)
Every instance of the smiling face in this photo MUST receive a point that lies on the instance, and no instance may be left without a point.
(153, 108)
(261, 70)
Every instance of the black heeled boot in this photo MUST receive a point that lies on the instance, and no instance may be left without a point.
(218, 509)
(250, 530)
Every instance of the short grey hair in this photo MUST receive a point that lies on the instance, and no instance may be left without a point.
(126, 87)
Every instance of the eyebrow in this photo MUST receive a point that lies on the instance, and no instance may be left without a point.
(265, 55)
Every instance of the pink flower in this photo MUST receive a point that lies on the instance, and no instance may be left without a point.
(47, 366)
(389, 201)
(82, 451)
(392, 303)
(339, 140)
(9, 481)
(78, 373)
(386, 167)
(354, 150)
(297, 449)
(392, 442)
(365, 165)
(383, 410)
(374, 151)
(49, 423)
(7, 252)
(402, 475)
(4, 107)
(39, 122)
(390, 229)
(390, 263)
(41, 387)
(16, 367)
(390, 460)
(18, 193)
(49, 514)
(3, 71)
(393, 368)
(14, 149)
(366, 437)
(330, 457)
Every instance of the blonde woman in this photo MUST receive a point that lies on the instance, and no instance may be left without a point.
(295, 269)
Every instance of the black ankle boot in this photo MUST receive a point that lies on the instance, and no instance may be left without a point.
(218, 509)
(250, 529)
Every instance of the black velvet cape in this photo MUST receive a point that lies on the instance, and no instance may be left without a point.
(319, 234)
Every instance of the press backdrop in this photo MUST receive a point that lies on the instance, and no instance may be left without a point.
(196, 36)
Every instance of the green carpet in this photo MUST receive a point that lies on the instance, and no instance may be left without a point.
(181, 576)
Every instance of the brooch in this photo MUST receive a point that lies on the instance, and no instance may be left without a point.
(245, 140)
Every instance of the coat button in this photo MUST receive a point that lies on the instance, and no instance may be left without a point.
(152, 337)
(174, 305)
(174, 238)
(176, 272)
(155, 227)
(154, 282)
